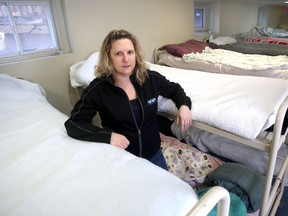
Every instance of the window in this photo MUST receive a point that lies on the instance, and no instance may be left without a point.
(31, 29)
(199, 18)
(206, 17)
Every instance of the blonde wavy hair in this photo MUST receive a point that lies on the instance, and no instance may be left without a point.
(105, 68)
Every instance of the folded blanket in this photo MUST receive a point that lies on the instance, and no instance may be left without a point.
(245, 182)
(272, 32)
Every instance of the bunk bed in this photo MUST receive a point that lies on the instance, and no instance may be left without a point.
(45, 172)
(230, 107)
(214, 96)
(189, 55)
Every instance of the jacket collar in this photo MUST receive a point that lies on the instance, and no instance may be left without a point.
(132, 78)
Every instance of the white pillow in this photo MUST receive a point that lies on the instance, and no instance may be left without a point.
(73, 71)
(82, 73)
(222, 40)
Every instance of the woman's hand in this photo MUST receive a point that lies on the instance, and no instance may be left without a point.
(184, 117)
(119, 140)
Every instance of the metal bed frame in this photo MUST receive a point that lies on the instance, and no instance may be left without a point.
(271, 143)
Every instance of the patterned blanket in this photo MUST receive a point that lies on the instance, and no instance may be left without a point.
(188, 163)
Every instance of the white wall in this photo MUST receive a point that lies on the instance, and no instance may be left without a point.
(237, 17)
(153, 22)
(230, 17)
(275, 15)
(271, 16)
(284, 18)
(233, 17)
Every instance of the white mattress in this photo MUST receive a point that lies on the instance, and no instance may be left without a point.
(242, 105)
(45, 172)
(164, 58)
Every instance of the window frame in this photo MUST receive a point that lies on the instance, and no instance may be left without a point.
(211, 17)
(60, 33)
(204, 8)
(203, 18)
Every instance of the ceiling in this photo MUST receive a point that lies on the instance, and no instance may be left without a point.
(266, 2)
(269, 2)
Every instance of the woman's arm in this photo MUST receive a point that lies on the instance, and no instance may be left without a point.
(79, 125)
(184, 117)
(175, 92)
(86, 131)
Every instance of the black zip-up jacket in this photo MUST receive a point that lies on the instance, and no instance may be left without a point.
(116, 113)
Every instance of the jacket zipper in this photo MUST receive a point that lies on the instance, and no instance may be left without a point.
(135, 122)
(138, 128)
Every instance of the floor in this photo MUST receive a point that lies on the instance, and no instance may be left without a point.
(283, 207)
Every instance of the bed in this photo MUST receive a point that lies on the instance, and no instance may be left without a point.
(231, 115)
(255, 46)
(270, 35)
(190, 56)
(213, 101)
(45, 172)
(259, 40)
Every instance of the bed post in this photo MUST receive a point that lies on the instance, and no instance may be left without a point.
(213, 196)
(271, 192)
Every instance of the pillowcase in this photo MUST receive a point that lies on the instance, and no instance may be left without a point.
(82, 73)
(198, 45)
(222, 40)
(196, 42)
(191, 46)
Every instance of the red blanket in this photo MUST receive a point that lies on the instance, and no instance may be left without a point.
(269, 40)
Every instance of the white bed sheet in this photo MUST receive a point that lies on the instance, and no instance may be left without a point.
(45, 172)
(242, 105)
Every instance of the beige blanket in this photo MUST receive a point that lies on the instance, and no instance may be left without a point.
(240, 60)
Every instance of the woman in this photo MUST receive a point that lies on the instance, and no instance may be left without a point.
(125, 94)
